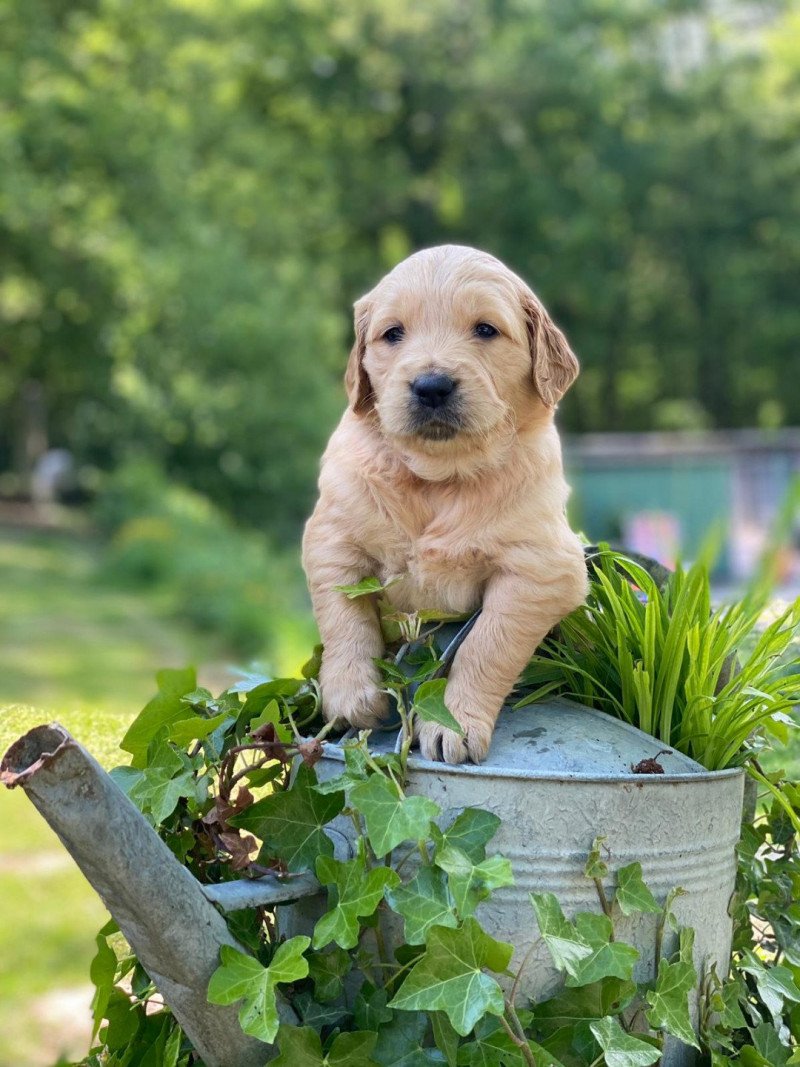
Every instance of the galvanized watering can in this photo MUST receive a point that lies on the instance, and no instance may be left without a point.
(558, 775)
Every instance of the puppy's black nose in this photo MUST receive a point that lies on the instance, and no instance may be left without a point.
(432, 390)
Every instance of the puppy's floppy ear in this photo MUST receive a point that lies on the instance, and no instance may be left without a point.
(555, 365)
(356, 380)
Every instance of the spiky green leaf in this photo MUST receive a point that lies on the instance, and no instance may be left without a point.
(423, 902)
(632, 894)
(355, 894)
(450, 977)
(241, 977)
(291, 823)
(391, 818)
(621, 1049)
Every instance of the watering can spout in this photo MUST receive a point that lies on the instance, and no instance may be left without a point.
(159, 906)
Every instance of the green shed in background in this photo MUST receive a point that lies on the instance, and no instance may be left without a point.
(663, 493)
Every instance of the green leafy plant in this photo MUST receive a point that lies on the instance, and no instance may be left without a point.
(398, 969)
(662, 659)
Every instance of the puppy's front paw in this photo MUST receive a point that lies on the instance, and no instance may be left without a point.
(438, 743)
(351, 693)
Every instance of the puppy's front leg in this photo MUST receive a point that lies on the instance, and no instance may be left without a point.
(517, 614)
(350, 629)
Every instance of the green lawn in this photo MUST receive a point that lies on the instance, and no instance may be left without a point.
(78, 651)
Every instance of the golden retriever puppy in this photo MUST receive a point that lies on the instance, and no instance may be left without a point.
(445, 471)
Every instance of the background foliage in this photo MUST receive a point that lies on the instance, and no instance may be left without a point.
(192, 194)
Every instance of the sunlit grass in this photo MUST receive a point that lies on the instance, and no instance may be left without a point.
(69, 640)
(48, 912)
(75, 650)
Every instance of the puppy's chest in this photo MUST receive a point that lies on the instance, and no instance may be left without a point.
(438, 570)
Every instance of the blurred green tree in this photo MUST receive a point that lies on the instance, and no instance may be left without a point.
(193, 192)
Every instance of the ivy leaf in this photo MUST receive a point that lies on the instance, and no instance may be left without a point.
(471, 831)
(262, 709)
(352, 1050)
(195, 728)
(369, 1008)
(622, 1050)
(596, 867)
(424, 902)
(725, 1002)
(356, 771)
(449, 977)
(199, 698)
(769, 1044)
(632, 894)
(102, 971)
(775, 985)
(565, 944)
(672, 896)
(572, 1006)
(490, 1047)
(608, 958)
(430, 706)
(311, 667)
(391, 818)
(301, 1046)
(366, 587)
(125, 778)
(263, 694)
(686, 945)
(290, 823)
(123, 1021)
(164, 780)
(471, 883)
(165, 708)
(748, 1057)
(400, 1042)
(318, 1015)
(326, 970)
(669, 1001)
(243, 978)
(172, 1046)
(356, 894)
(447, 1040)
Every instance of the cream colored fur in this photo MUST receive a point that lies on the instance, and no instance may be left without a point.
(478, 519)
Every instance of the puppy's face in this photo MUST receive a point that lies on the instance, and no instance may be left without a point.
(453, 354)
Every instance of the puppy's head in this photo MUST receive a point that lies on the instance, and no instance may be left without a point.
(453, 354)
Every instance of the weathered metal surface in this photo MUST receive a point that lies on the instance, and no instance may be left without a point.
(261, 892)
(558, 775)
(159, 906)
(558, 739)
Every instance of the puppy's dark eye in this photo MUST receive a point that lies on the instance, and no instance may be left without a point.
(485, 330)
(394, 334)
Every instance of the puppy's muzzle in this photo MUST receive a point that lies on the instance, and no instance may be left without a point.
(434, 408)
(433, 390)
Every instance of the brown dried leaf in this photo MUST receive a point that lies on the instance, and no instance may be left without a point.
(244, 798)
(240, 848)
(265, 732)
(648, 766)
(266, 741)
(219, 814)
